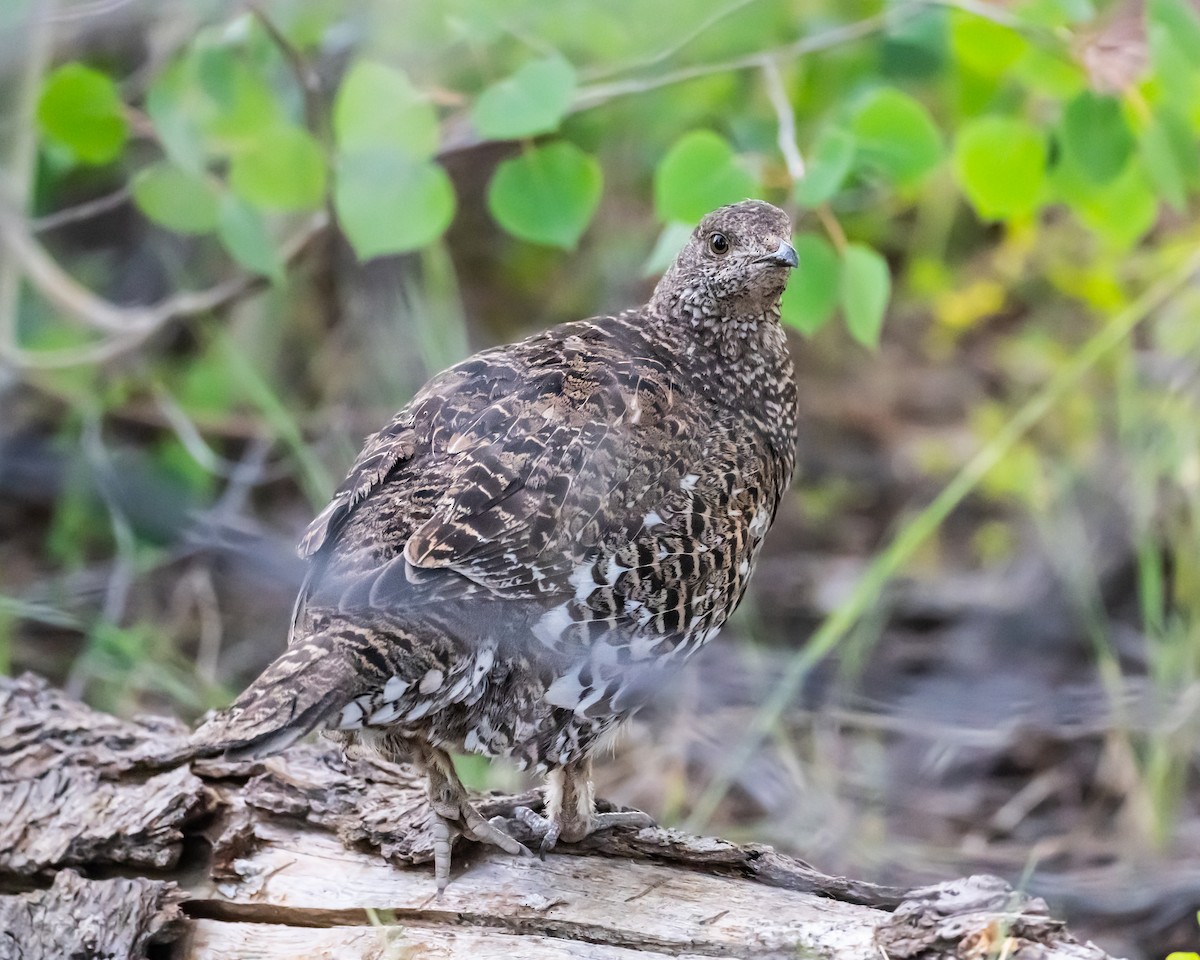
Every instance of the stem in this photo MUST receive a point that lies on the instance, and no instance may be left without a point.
(20, 161)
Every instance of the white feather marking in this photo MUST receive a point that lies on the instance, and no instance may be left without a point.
(653, 520)
(483, 663)
(583, 582)
(641, 647)
(385, 714)
(552, 624)
(431, 681)
(417, 712)
(758, 523)
(352, 716)
(565, 692)
(689, 482)
(459, 688)
(394, 689)
(614, 571)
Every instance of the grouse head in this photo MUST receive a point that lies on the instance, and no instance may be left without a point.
(733, 267)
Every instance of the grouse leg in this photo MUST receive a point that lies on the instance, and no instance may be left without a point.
(571, 808)
(454, 815)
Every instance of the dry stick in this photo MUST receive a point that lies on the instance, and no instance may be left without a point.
(921, 527)
(785, 120)
(306, 76)
(20, 162)
(669, 51)
(600, 93)
(82, 211)
(127, 327)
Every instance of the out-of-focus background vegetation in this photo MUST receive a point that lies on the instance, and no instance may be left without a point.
(234, 237)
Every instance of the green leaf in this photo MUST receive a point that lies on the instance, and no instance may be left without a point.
(282, 170)
(388, 202)
(698, 174)
(829, 161)
(240, 102)
(1096, 136)
(175, 107)
(244, 234)
(865, 288)
(1120, 211)
(177, 199)
(1182, 23)
(914, 49)
(984, 46)
(81, 109)
(547, 195)
(1000, 162)
(812, 292)
(1047, 72)
(896, 135)
(1166, 157)
(533, 100)
(377, 106)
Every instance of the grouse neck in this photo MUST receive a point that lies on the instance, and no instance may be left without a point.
(741, 352)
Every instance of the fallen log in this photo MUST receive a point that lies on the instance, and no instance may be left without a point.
(116, 842)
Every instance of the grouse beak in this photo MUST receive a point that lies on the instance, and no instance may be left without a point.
(785, 256)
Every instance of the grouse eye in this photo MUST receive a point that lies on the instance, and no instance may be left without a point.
(718, 243)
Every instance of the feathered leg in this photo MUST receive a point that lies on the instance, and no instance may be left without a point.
(453, 814)
(571, 808)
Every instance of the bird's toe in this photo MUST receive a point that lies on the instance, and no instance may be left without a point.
(635, 819)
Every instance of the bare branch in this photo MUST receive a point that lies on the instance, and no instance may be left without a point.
(59, 287)
(596, 94)
(90, 8)
(127, 327)
(306, 76)
(82, 211)
(669, 51)
(785, 118)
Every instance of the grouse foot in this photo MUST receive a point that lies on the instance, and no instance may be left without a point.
(453, 815)
(571, 809)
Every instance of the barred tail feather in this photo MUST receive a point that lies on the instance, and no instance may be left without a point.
(295, 695)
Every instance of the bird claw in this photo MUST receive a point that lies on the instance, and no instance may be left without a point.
(470, 825)
(550, 830)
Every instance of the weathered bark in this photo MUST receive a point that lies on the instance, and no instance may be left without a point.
(312, 854)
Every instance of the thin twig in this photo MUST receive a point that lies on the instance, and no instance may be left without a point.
(188, 434)
(785, 120)
(127, 327)
(306, 75)
(94, 8)
(18, 179)
(669, 51)
(596, 94)
(82, 211)
(832, 226)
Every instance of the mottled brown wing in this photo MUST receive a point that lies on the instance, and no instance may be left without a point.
(410, 435)
(392, 446)
(529, 482)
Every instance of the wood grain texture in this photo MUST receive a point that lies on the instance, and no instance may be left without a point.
(78, 918)
(313, 855)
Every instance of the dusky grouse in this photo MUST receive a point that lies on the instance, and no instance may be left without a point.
(514, 560)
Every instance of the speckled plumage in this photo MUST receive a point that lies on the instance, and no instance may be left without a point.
(515, 557)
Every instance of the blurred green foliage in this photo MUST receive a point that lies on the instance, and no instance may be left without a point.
(245, 137)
